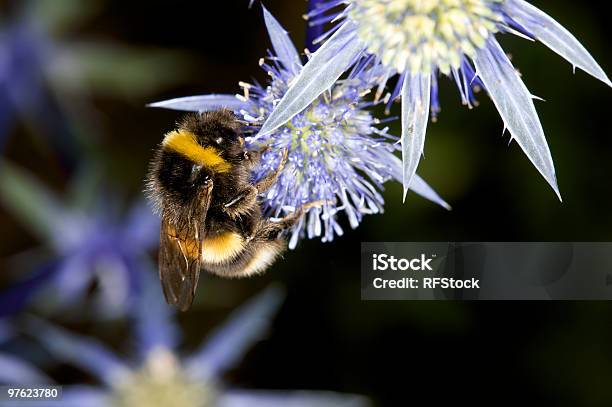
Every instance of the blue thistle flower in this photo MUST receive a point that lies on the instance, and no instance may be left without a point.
(157, 374)
(337, 152)
(83, 242)
(416, 40)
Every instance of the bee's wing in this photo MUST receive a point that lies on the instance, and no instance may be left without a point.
(180, 252)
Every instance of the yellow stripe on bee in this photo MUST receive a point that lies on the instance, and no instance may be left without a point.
(221, 248)
(216, 249)
(186, 144)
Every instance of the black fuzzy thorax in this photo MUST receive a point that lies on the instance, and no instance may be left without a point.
(174, 181)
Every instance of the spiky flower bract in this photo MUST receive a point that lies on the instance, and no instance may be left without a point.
(338, 155)
(417, 40)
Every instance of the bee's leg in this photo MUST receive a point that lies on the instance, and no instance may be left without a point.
(270, 230)
(247, 197)
(253, 157)
(269, 180)
(241, 203)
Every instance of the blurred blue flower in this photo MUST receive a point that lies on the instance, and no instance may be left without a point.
(91, 243)
(419, 39)
(24, 93)
(47, 78)
(14, 369)
(337, 153)
(158, 375)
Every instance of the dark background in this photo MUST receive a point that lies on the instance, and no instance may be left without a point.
(398, 353)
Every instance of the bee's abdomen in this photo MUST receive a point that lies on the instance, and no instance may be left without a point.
(242, 260)
(222, 248)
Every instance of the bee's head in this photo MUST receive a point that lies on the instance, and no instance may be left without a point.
(219, 129)
(203, 146)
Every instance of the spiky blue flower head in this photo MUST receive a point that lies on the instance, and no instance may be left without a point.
(338, 155)
(417, 40)
(156, 373)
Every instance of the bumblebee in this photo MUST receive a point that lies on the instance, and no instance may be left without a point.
(201, 184)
